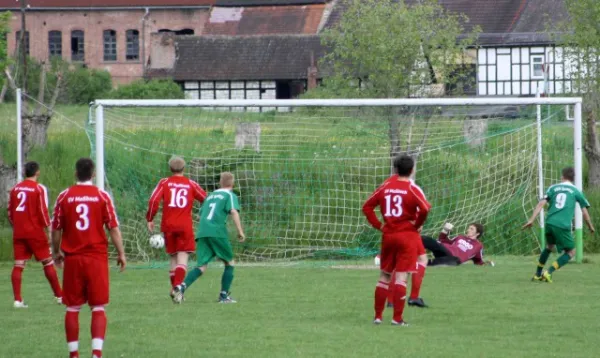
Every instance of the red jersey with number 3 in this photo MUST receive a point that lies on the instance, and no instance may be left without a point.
(28, 210)
(401, 203)
(177, 194)
(81, 212)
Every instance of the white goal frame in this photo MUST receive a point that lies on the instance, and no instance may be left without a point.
(99, 106)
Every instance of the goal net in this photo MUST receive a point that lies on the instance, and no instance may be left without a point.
(303, 172)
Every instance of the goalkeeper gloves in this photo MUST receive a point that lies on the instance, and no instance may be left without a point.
(447, 228)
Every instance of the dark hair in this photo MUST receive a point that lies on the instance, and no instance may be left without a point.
(479, 229)
(404, 165)
(569, 174)
(31, 168)
(84, 169)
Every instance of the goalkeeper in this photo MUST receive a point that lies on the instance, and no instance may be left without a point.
(454, 251)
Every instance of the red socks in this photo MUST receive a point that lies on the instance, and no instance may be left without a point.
(72, 330)
(179, 274)
(15, 277)
(417, 280)
(98, 330)
(399, 299)
(381, 293)
(390, 298)
(172, 277)
(52, 278)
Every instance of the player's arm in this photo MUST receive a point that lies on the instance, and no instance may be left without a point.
(423, 206)
(536, 212)
(9, 209)
(117, 240)
(199, 193)
(43, 208)
(444, 237)
(153, 205)
(235, 215)
(588, 220)
(56, 235)
(369, 210)
(109, 216)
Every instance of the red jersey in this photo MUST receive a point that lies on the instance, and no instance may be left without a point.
(463, 248)
(28, 210)
(177, 194)
(81, 212)
(401, 203)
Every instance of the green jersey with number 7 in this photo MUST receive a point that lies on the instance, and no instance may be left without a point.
(214, 212)
(561, 200)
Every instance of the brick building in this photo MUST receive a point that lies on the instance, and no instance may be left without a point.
(105, 34)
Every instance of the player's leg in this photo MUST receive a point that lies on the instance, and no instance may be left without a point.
(74, 296)
(42, 253)
(21, 254)
(417, 277)
(171, 250)
(390, 299)
(97, 281)
(387, 265)
(406, 256)
(204, 255)
(444, 261)
(564, 244)
(185, 245)
(546, 252)
(224, 252)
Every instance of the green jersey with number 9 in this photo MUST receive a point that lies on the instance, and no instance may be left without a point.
(561, 199)
(214, 212)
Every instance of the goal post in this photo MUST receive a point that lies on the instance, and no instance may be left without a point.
(507, 137)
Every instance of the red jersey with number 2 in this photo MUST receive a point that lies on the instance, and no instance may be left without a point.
(177, 194)
(28, 210)
(402, 204)
(81, 212)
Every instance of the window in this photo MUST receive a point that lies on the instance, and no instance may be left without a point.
(537, 66)
(133, 45)
(110, 45)
(55, 43)
(77, 46)
(26, 41)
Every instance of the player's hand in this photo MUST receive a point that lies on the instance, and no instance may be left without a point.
(592, 230)
(151, 226)
(447, 228)
(241, 237)
(59, 259)
(527, 225)
(121, 262)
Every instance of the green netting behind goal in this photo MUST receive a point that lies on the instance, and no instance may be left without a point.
(303, 175)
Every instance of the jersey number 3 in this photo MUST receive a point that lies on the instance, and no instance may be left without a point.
(178, 198)
(84, 221)
(393, 206)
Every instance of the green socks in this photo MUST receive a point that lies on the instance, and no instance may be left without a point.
(192, 276)
(562, 260)
(226, 279)
(542, 261)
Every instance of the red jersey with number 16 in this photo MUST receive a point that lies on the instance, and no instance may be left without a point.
(401, 203)
(81, 212)
(177, 194)
(28, 210)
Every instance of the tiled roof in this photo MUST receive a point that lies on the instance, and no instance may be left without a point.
(10, 4)
(264, 20)
(267, 2)
(279, 57)
(511, 22)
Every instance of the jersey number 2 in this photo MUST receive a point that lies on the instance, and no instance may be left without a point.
(21, 196)
(393, 206)
(84, 221)
(561, 199)
(178, 198)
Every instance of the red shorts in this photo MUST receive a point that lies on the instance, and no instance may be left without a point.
(85, 279)
(23, 249)
(399, 252)
(180, 241)
(421, 248)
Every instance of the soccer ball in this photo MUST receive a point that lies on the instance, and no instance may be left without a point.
(157, 241)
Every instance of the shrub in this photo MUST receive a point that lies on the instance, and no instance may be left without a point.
(83, 85)
(153, 89)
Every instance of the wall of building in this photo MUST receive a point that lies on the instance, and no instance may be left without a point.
(93, 23)
(517, 71)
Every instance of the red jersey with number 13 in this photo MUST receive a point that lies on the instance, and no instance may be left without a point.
(81, 212)
(401, 202)
(177, 194)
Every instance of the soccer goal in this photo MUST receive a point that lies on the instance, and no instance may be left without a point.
(304, 167)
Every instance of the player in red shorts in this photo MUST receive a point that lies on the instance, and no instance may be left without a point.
(177, 193)
(28, 215)
(404, 210)
(79, 242)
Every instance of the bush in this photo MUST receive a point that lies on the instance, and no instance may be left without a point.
(83, 85)
(153, 89)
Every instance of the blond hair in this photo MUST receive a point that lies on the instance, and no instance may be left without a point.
(227, 180)
(176, 164)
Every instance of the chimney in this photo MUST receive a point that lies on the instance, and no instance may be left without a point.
(312, 72)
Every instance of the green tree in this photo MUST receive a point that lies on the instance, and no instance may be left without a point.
(388, 49)
(580, 41)
(8, 172)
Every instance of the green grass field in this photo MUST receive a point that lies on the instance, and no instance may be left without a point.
(323, 312)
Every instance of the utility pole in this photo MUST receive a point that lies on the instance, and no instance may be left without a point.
(23, 51)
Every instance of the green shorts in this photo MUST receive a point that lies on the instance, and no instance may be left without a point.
(207, 248)
(562, 238)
